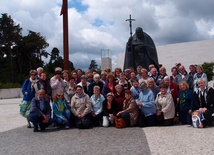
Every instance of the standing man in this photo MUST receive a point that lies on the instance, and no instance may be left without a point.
(56, 82)
(40, 111)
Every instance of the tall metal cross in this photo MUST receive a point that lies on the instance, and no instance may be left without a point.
(64, 12)
(130, 23)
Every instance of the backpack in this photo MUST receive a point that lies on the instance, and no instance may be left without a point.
(197, 118)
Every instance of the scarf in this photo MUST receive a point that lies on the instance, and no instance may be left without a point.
(80, 96)
(183, 96)
(203, 94)
(34, 84)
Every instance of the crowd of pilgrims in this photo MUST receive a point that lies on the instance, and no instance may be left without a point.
(142, 98)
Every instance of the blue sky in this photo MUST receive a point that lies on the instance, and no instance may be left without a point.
(77, 4)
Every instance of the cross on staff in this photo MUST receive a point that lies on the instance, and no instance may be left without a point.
(133, 54)
(130, 23)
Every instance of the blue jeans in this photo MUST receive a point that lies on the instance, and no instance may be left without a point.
(37, 120)
(59, 121)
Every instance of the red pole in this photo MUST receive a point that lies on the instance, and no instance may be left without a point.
(64, 11)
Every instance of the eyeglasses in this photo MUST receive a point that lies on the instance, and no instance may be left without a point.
(33, 74)
(59, 95)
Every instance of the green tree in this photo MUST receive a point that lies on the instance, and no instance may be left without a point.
(10, 36)
(209, 70)
(19, 54)
(33, 48)
(93, 65)
(56, 61)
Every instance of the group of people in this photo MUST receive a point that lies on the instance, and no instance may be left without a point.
(141, 98)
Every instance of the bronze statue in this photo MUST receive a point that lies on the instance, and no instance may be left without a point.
(140, 51)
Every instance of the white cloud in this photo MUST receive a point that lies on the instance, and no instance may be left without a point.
(103, 24)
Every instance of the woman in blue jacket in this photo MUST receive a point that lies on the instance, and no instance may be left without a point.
(185, 100)
(29, 88)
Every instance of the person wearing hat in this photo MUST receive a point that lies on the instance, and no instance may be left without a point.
(84, 84)
(56, 82)
(29, 88)
(81, 107)
(146, 103)
(109, 110)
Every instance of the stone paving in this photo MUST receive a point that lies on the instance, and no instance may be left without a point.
(16, 138)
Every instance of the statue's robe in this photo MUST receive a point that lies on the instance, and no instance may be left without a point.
(140, 52)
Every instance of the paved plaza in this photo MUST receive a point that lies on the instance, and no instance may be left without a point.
(17, 139)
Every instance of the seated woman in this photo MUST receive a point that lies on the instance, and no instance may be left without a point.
(61, 111)
(81, 108)
(130, 110)
(204, 101)
(165, 107)
(109, 110)
(97, 106)
(185, 101)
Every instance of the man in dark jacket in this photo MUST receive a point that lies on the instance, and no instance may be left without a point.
(40, 111)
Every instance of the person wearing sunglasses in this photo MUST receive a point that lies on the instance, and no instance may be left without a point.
(61, 111)
(29, 88)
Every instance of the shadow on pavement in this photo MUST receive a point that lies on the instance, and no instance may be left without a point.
(94, 141)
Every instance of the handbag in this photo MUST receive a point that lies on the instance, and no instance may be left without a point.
(119, 122)
(24, 108)
(84, 123)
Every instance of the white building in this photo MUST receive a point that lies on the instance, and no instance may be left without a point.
(187, 53)
(196, 52)
(106, 61)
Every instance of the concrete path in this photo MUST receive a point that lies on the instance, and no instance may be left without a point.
(16, 138)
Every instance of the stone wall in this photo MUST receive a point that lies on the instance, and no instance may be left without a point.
(10, 93)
